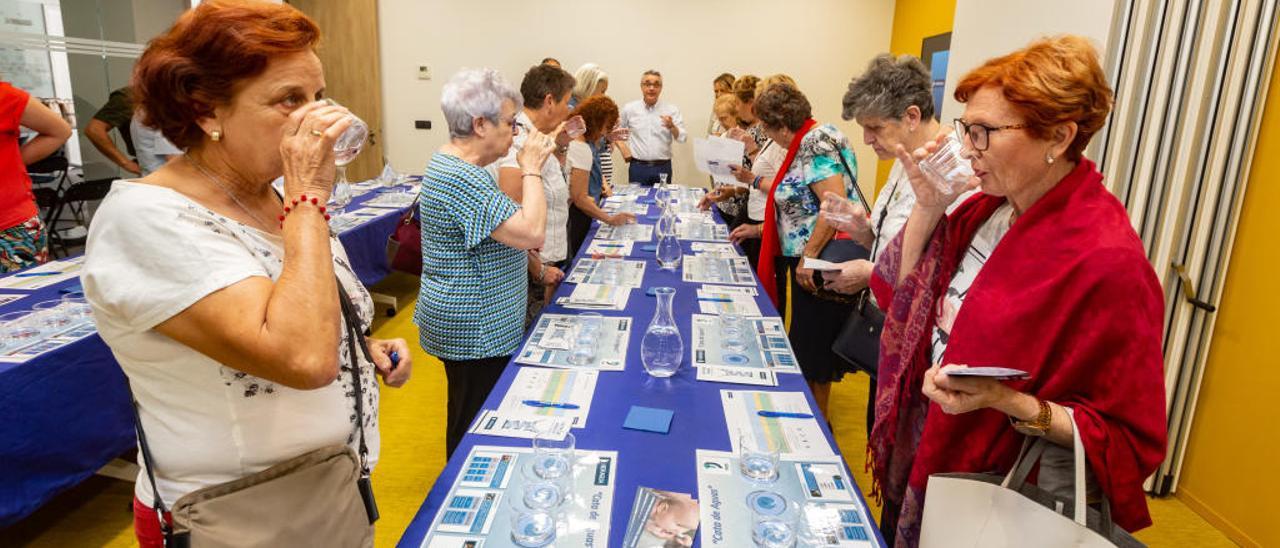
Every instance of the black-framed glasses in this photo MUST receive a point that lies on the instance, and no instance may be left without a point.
(980, 134)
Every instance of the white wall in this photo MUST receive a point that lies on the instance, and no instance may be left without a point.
(821, 43)
(990, 28)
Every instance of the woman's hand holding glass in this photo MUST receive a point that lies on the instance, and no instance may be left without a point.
(306, 148)
(931, 191)
(535, 151)
(843, 215)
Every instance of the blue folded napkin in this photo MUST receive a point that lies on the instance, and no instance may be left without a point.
(648, 419)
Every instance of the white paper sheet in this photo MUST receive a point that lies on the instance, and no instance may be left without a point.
(791, 436)
(714, 155)
(538, 392)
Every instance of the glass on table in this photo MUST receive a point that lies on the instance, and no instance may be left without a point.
(731, 333)
(532, 527)
(543, 493)
(77, 307)
(590, 322)
(17, 329)
(552, 457)
(584, 348)
(774, 519)
(758, 461)
(50, 316)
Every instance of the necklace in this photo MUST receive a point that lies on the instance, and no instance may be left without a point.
(217, 181)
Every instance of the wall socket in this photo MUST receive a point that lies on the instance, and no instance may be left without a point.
(422, 124)
(424, 72)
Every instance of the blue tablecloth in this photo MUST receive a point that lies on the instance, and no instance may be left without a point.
(644, 459)
(65, 414)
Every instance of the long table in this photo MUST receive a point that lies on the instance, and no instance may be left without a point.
(664, 462)
(65, 413)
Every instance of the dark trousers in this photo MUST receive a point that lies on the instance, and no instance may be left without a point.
(469, 384)
(579, 226)
(751, 247)
(645, 172)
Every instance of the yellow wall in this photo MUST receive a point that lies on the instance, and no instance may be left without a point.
(913, 21)
(1230, 475)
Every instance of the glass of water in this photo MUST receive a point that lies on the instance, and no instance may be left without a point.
(541, 493)
(50, 316)
(553, 458)
(345, 151)
(947, 168)
(731, 333)
(532, 527)
(774, 519)
(584, 348)
(758, 461)
(17, 329)
(835, 209)
(591, 322)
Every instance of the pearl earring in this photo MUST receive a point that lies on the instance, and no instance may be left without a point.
(1049, 158)
(216, 135)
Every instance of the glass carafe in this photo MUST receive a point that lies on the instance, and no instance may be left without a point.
(662, 349)
(669, 252)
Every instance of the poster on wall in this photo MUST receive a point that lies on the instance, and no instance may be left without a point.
(935, 52)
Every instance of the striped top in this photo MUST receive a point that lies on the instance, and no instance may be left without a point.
(472, 297)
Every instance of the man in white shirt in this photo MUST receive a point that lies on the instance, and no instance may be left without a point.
(654, 125)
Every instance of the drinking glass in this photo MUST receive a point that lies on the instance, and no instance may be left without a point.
(584, 348)
(773, 519)
(833, 208)
(345, 151)
(731, 336)
(553, 458)
(50, 317)
(541, 493)
(17, 329)
(758, 462)
(575, 127)
(947, 169)
(591, 321)
(77, 307)
(530, 527)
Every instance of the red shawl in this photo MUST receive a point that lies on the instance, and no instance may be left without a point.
(1069, 296)
(770, 245)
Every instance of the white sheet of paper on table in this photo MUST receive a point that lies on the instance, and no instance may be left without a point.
(791, 436)
(598, 297)
(621, 248)
(550, 386)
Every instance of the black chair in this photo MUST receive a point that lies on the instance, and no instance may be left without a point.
(74, 198)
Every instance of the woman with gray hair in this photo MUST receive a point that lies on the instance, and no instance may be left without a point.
(893, 103)
(471, 302)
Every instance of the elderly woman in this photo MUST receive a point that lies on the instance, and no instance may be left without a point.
(23, 241)
(757, 175)
(219, 297)
(1041, 272)
(585, 178)
(720, 86)
(818, 161)
(472, 298)
(593, 81)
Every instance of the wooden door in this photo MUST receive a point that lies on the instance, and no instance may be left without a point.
(349, 51)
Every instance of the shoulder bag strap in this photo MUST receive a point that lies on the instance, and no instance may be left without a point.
(356, 335)
(157, 504)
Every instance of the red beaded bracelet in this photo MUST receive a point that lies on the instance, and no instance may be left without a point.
(302, 199)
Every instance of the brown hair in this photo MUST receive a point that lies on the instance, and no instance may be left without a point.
(745, 87)
(1050, 82)
(195, 66)
(783, 106)
(600, 113)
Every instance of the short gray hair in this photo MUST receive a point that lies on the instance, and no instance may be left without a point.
(651, 72)
(588, 77)
(475, 93)
(888, 87)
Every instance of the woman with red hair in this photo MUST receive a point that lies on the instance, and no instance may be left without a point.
(221, 299)
(1041, 272)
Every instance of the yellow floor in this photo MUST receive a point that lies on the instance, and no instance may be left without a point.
(96, 513)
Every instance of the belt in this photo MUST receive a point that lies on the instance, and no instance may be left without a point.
(651, 162)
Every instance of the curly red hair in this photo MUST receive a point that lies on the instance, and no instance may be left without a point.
(195, 66)
(600, 113)
(1049, 82)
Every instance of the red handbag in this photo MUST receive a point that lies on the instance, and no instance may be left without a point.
(404, 246)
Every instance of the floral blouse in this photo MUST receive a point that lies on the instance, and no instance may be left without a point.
(824, 152)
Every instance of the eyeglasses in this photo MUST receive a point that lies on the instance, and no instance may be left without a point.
(980, 134)
(651, 84)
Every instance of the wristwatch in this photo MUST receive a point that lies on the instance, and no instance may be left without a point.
(1039, 426)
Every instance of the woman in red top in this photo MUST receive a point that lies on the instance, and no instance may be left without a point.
(1042, 272)
(23, 242)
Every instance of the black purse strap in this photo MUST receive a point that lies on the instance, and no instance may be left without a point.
(354, 333)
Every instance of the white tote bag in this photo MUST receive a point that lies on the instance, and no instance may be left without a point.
(986, 510)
